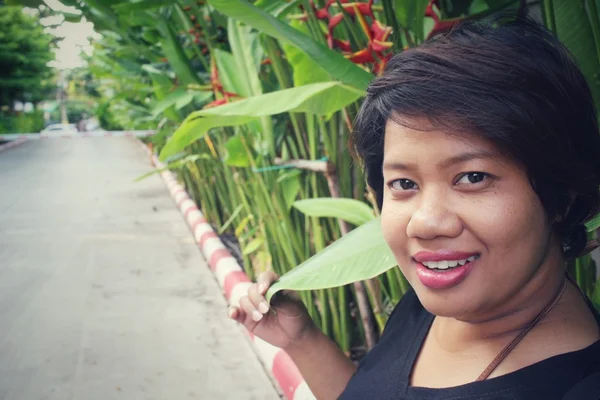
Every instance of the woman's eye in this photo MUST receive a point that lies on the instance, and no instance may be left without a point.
(472, 178)
(403, 184)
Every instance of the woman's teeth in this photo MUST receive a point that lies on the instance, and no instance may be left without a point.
(448, 264)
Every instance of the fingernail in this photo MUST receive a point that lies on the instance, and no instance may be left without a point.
(256, 315)
(263, 307)
(231, 312)
(261, 288)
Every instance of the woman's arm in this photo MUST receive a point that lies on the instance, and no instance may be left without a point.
(323, 365)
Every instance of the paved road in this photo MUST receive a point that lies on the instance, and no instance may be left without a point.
(103, 294)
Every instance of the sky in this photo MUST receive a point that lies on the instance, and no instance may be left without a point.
(76, 37)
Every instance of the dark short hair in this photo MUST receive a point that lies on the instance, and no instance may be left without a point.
(511, 83)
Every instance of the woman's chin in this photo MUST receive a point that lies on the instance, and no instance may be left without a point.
(443, 304)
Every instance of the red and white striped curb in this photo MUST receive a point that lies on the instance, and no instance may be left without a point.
(11, 144)
(99, 133)
(234, 282)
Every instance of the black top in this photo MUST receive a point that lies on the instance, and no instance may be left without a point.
(385, 371)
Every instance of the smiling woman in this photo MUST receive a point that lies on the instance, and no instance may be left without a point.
(482, 149)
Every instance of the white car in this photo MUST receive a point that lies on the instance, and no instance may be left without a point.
(59, 130)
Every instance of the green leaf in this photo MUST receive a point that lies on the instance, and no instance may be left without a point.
(176, 55)
(354, 211)
(174, 165)
(593, 224)
(411, 14)
(331, 61)
(248, 54)
(318, 98)
(574, 30)
(253, 245)
(242, 225)
(228, 72)
(242, 41)
(192, 130)
(236, 155)
(140, 5)
(169, 101)
(362, 254)
(306, 70)
(289, 187)
(230, 220)
(277, 8)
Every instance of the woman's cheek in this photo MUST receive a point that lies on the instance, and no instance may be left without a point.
(394, 220)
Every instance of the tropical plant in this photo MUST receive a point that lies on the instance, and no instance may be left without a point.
(262, 95)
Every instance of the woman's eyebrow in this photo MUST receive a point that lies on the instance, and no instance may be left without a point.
(460, 158)
(466, 157)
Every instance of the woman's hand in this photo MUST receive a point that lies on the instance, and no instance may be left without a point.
(282, 324)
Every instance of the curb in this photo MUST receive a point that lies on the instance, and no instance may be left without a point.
(79, 135)
(11, 144)
(234, 282)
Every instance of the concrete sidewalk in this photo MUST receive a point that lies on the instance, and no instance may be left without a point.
(103, 292)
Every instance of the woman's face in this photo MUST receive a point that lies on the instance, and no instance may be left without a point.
(467, 229)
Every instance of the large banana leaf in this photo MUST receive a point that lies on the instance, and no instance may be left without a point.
(178, 98)
(306, 70)
(354, 211)
(318, 98)
(331, 61)
(362, 254)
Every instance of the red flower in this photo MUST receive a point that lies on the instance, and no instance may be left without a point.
(439, 25)
(343, 45)
(362, 57)
(363, 8)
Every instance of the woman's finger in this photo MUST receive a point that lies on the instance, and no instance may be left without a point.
(252, 313)
(258, 299)
(265, 280)
(236, 314)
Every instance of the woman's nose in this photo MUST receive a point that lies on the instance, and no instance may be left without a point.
(433, 217)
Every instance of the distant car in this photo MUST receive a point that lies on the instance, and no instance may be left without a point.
(59, 130)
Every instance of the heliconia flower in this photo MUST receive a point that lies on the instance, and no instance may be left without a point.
(439, 25)
(362, 22)
(343, 45)
(379, 47)
(362, 57)
(330, 3)
(364, 8)
(380, 65)
(335, 21)
(216, 103)
(379, 31)
(322, 14)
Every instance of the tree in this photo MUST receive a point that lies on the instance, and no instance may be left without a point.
(25, 51)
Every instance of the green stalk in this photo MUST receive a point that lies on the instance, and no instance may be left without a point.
(313, 23)
(548, 10)
(272, 50)
(390, 17)
(344, 318)
(355, 33)
(594, 17)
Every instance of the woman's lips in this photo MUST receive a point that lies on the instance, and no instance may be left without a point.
(443, 278)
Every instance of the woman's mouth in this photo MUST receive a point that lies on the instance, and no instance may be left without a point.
(444, 274)
(443, 265)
